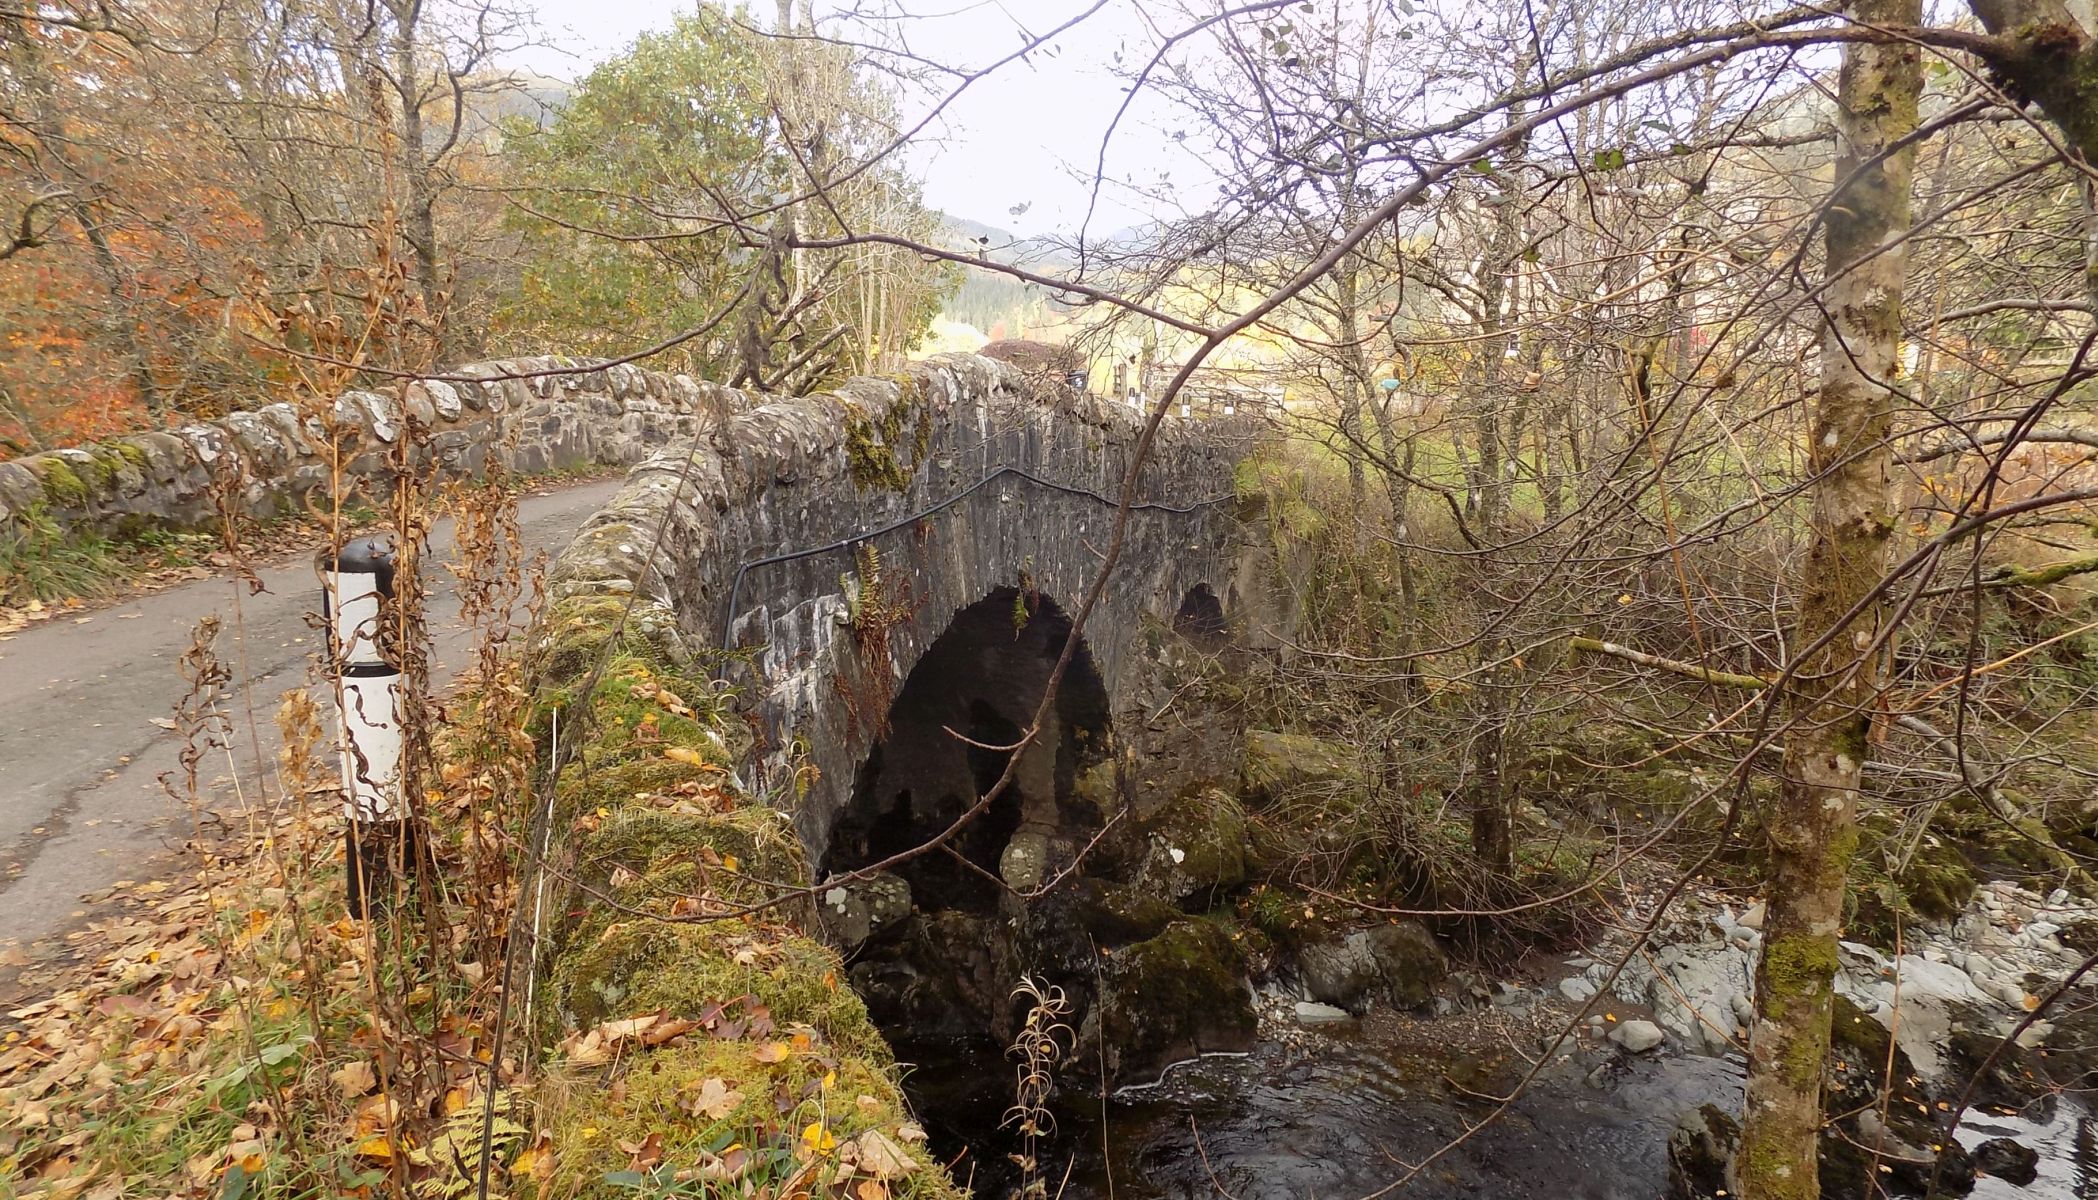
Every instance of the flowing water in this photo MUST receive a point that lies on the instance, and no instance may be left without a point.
(1347, 1113)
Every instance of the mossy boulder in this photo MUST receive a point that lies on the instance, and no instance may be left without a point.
(1169, 998)
(1278, 765)
(1396, 965)
(738, 857)
(1935, 885)
(1195, 849)
(1115, 914)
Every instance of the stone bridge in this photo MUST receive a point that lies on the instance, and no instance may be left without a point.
(858, 599)
(920, 543)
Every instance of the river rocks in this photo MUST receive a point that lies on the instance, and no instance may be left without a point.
(855, 912)
(1309, 1012)
(1577, 989)
(2007, 1160)
(1169, 998)
(1638, 1037)
(1195, 849)
(1397, 964)
(1279, 764)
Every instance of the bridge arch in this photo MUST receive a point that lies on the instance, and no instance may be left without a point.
(974, 690)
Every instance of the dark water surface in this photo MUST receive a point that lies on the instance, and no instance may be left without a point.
(1346, 1116)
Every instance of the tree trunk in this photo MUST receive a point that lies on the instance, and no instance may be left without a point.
(1813, 829)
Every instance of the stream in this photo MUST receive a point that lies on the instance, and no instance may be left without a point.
(1340, 1111)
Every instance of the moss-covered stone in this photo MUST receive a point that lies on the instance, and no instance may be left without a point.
(1279, 764)
(872, 445)
(739, 857)
(1171, 997)
(1195, 849)
(62, 486)
(640, 966)
(1117, 914)
(1935, 884)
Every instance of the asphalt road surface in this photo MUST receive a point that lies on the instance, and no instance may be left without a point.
(84, 700)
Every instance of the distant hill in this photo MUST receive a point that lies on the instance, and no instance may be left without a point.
(1000, 306)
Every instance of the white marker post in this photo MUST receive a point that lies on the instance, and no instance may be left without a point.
(356, 590)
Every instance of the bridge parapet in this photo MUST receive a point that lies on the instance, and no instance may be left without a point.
(528, 415)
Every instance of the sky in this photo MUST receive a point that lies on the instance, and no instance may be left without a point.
(1028, 134)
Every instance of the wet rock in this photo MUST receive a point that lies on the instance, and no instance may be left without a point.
(1169, 998)
(1860, 1083)
(1638, 1036)
(854, 913)
(1278, 764)
(2007, 1160)
(1195, 849)
(1878, 1153)
(1397, 964)
(1699, 1150)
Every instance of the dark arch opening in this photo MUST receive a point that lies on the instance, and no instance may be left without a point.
(982, 678)
(1201, 615)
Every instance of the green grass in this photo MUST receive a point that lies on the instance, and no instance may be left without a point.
(40, 561)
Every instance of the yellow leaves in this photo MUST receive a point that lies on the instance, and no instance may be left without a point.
(535, 1161)
(378, 1147)
(817, 1139)
(686, 755)
(728, 863)
(771, 1052)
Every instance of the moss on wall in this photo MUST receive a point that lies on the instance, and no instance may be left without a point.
(871, 444)
(781, 1077)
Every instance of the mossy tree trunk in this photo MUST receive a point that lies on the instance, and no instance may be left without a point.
(1813, 829)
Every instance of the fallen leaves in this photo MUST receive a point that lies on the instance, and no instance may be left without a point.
(603, 1043)
(354, 1079)
(715, 1100)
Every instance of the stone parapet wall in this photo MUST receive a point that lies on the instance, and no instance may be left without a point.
(281, 458)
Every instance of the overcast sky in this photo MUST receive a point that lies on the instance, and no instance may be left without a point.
(1028, 134)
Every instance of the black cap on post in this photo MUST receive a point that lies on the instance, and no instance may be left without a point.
(371, 555)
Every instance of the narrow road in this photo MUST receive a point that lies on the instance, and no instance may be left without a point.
(81, 754)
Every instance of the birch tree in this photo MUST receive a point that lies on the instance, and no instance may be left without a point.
(1837, 641)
